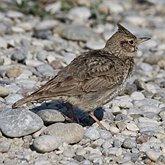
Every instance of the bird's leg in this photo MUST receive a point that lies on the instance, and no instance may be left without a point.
(70, 108)
(91, 114)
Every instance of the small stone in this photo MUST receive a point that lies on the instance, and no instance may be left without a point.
(95, 44)
(114, 130)
(69, 133)
(46, 143)
(53, 7)
(153, 155)
(50, 116)
(12, 98)
(105, 134)
(19, 54)
(79, 33)
(132, 127)
(19, 122)
(45, 70)
(92, 133)
(162, 115)
(129, 143)
(4, 146)
(46, 24)
(79, 14)
(142, 139)
(117, 143)
(4, 91)
(14, 72)
(137, 96)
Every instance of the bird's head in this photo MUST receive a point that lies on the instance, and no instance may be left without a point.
(124, 42)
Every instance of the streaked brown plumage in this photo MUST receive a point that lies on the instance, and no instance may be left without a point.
(95, 77)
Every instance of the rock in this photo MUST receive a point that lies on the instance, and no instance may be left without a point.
(50, 116)
(162, 115)
(46, 143)
(19, 54)
(14, 72)
(95, 44)
(153, 155)
(19, 122)
(69, 133)
(4, 145)
(114, 7)
(46, 24)
(92, 133)
(105, 134)
(53, 7)
(14, 14)
(79, 14)
(45, 70)
(129, 143)
(12, 98)
(132, 127)
(137, 96)
(114, 130)
(117, 143)
(4, 91)
(79, 33)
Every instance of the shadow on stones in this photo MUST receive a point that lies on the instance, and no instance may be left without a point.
(82, 116)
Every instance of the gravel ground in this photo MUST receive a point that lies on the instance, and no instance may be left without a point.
(33, 49)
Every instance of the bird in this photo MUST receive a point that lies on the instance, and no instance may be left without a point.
(94, 77)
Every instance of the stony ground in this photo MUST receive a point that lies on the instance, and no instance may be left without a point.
(34, 48)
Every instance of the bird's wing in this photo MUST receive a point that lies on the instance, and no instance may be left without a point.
(86, 73)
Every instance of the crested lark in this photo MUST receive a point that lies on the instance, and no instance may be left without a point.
(95, 77)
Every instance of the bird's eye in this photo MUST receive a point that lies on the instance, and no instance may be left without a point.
(131, 42)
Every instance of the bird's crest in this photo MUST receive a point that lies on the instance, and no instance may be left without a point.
(123, 30)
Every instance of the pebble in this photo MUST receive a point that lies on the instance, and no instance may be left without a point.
(137, 96)
(95, 44)
(12, 98)
(46, 24)
(162, 115)
(153, 155)
(45, 70)
(4, 91)
(4, 145)
(69, 133)
(14, 72)
(132, 127)
(19, 54)
(81, 13)
(19, 122)
(46, 143)
(92, 133)
(114, 130)
(129, 143)
(50, 116)
(79, 33)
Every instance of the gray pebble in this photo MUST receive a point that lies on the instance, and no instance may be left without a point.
(153, 155)
(19, 122)
(92, 133)
(69, 133)
(46, 143)
(129, 143)
(50, 116)
(19, 54)
(4, 145)
(79, 33)
(45, 70)
(4, 91)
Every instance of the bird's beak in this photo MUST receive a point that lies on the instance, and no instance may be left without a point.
(143, 39)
